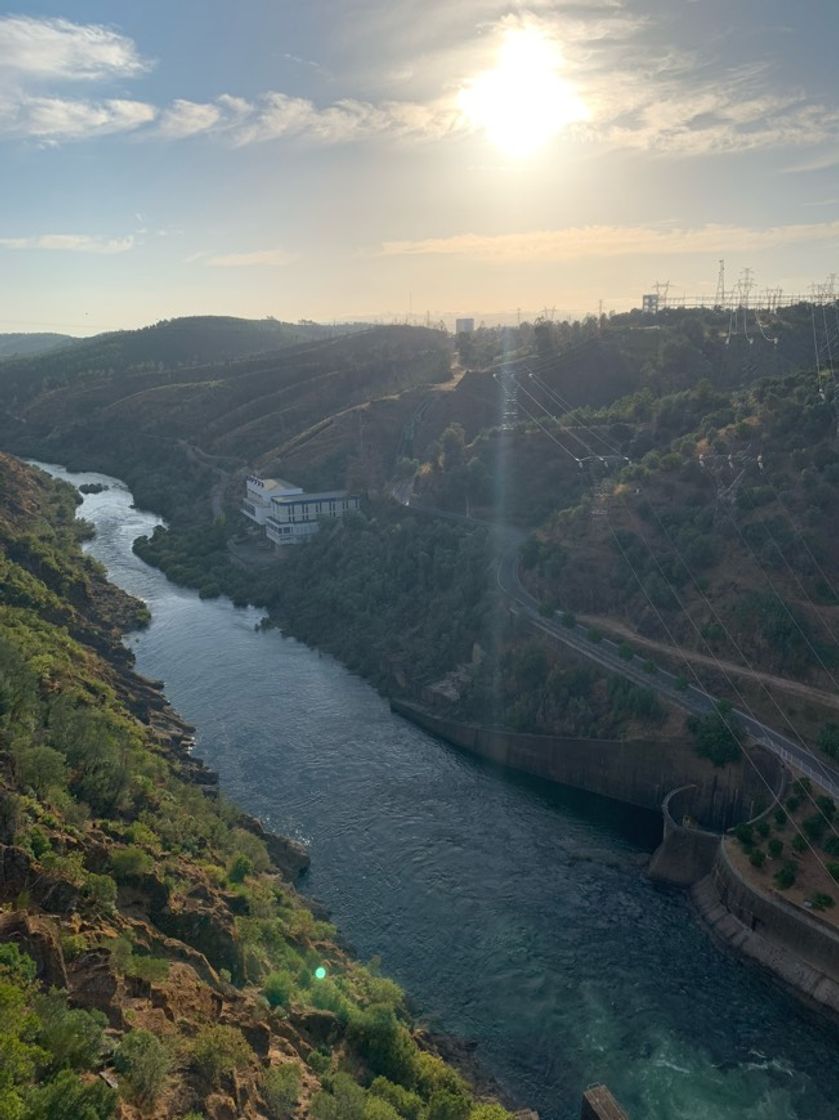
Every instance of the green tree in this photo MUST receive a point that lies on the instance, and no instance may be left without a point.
(144, 1063)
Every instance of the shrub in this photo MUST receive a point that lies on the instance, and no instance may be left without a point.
(377, 1109)
(775, 846)
(569, 619)
(38, 842)
(446, 1104)
(127, 862)
(72, 1037)
(489, 1111)
(41, 769)
(833, 869)
(144, 1063)
(831, 845)
(681, 684)
(762, 828)
(278, 989)
(67, 1098)
(799, 844)
(827, 806)
(406, 1103)
(780, 818)
(626, 651)
(793, 802)
(218, 1051)
(281, 1089)
(757, 857)
(320, 1061)
(745, 834)
(785, 878)
(813, 827)
(820, 901)
(384, 1043)
(239, 868)
(100, 891)
(345, 1102)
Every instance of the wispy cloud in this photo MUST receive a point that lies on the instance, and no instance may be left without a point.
(259, 258)
(70, 243)
(59, 49)
(187, 118)
(574, 243)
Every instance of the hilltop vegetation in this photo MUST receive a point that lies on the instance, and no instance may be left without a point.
(23, 345)
(155, 959)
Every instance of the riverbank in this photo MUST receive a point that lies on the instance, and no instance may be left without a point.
(148, 901)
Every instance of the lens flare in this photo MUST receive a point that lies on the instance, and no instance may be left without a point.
(524, 102)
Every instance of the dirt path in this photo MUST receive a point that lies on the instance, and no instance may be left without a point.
(612, 628)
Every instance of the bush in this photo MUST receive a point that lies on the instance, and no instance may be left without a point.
(100, 891)
(785, 878)
(446, 1104)
(745, 834)
(144, 1063)
(820, 901)
(406, 1103)
(345, 1102)
(780, 818)
(72, 1037)
(681, 684)
(281, 1089)
(487, 1111)
(757, 857)
(218, 1051)
(799, 843)
(375, 1108)
(278, 989)
(775, 846)
(813, 827)
(41, 769)
(762, 828)
(128, 862)
(240, 867)
(67, 1098)
(384, 1043)
(626, 651)
(833, 869)
(793, 802)
(569, 619)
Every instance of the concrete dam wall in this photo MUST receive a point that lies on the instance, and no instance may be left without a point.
(638, 772)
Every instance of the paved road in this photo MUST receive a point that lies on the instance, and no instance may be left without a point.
(690, 699)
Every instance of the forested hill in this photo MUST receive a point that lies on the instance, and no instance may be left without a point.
(155, 958)
(23, 345)
(170, 344)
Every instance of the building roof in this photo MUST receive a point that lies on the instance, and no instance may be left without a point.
(327, 495)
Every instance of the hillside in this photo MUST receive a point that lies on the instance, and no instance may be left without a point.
(170, 344)
(25, 345)
(155, 958)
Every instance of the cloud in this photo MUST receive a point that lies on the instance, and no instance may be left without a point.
(259, 258)
(276, 115)
(59, 118)
(57, 48)
(71, 243)
(574, 243)
(187, 118)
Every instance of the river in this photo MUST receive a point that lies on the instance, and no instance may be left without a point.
(514, 913)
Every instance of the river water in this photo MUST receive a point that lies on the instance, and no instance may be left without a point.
(515, 914)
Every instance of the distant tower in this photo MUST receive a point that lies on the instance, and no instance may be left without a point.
(719, 302)
(661, 291)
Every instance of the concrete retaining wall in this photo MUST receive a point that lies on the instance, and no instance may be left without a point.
(686, 854)
(636, 771)
(798, 948)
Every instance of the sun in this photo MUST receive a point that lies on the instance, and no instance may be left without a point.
(524, 102)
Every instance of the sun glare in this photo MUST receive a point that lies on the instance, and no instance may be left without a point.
(522, 103)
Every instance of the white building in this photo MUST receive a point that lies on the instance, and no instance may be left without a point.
(464, 326)
(258, 495)
(288, 515)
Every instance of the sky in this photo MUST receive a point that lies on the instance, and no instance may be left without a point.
(384, 158)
